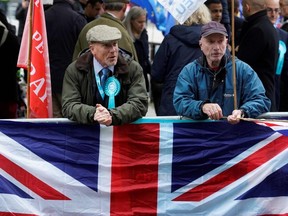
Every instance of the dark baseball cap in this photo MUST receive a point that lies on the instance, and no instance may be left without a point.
(213, 27)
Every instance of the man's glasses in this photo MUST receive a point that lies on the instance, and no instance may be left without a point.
(271, 10)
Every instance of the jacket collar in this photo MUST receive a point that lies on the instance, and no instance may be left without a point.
(262, 13)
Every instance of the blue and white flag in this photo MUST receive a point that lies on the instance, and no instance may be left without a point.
(181, 9)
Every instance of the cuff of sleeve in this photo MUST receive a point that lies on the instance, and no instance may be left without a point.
(201, 108)
(243, 113)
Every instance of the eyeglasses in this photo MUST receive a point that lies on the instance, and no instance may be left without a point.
(271, 10)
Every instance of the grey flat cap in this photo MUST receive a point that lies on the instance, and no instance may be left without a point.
(103, 34)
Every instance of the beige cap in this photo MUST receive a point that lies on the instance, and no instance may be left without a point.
(103, 34)
(113, 1)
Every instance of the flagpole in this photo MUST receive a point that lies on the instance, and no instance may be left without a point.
(233, 54)
(29, 56)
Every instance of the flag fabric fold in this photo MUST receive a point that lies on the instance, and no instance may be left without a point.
(34, 57)
(158, 168)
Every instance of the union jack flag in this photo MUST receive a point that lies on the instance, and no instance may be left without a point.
(146, 168)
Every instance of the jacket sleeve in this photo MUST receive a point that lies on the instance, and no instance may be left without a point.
(252, 99)
(72, 106)
(136, 105)
(185, 94)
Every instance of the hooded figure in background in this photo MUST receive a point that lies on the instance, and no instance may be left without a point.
(8, 85)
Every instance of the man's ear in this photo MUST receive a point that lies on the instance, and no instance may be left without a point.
(200, 43)
(247, 7)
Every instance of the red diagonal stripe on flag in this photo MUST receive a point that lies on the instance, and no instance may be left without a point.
(235, 172)
(286, 214)
(30, 181)
(15, 214)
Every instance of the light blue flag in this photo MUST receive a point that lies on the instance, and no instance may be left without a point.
(156, 13)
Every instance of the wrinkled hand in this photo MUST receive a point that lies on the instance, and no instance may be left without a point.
(213, 111)
(235, 117)
(102, 115)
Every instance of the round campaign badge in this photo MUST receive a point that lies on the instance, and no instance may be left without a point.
(112, 87)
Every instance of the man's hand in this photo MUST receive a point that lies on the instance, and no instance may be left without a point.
(235, 117)
(213, 111)
(102, 115)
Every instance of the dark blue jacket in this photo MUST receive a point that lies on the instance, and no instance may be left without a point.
(9, 51)
(63, 26)
(282, 80)
(178, 48)
(142, 49)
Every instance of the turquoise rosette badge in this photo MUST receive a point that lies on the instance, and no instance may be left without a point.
(112, 88)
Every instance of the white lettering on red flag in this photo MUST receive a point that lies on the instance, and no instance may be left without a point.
(39, 84)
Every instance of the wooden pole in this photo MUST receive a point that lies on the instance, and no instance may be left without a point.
(233, 54)
(29, 55)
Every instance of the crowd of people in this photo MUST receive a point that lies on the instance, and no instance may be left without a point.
(101, 70)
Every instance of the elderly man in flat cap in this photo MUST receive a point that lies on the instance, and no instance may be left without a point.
(104, 85)
(204, 88)
(113, 16)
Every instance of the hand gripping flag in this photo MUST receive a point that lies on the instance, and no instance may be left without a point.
(34, 57)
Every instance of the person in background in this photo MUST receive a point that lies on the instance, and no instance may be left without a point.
(284, 14)
(20, 15)
(9, 89)
(238, 22)
(113, 16)
(63, 26)
(226, 21)
(219, 13)
(204, 88)
(79, 5)
(89, 96)
(135, 22)
(93, 9)
(4, 6)
(178, 48)
(258, 45)
(216, 9)
(281, 74)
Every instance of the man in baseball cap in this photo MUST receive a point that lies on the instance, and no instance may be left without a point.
(210, 33)
(204, 88)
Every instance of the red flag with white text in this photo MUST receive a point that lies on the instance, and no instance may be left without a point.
(34, 47)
